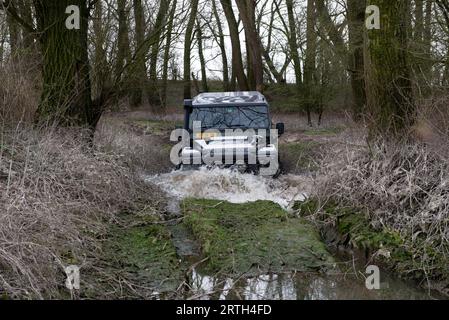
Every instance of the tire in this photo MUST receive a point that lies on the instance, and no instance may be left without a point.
(280, 170)
(189, 167)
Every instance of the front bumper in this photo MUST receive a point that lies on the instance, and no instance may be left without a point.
(229, 156)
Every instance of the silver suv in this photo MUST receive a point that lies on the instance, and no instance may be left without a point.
(231, 129)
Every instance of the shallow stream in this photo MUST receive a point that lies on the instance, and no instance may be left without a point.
(348, 282)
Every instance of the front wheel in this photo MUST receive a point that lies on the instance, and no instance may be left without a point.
(189, 167)
(279, 171)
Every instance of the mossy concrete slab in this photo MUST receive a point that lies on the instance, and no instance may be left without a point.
(254, 237)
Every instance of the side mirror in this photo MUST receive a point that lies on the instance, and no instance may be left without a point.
(280, 127)
(188, 103)
(177, 127)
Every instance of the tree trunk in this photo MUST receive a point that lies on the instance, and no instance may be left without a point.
(266, 50)
(331, 29)
(140, 79)
(388, 88)
(123, 57)
(14, 34)
(222, 45)
(154, 97)
(100, 66)
(310, 62)
(66, 95)
(356, 21)
(249, 67)
(168, 42)
(237, 62)
(188, 49)
(427, 68)
(293, 44)
(247, 9)
(199, 34)
(27, 15)
(419, 21)
(2, 45)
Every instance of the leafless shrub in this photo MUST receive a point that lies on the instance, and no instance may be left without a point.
(403, 188)
(433, 124)
(57, 197)
(144, 153)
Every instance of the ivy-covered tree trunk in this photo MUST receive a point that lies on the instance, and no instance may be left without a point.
(66, 95)
(389, 88)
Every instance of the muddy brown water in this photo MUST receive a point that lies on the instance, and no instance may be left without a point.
(346, 283)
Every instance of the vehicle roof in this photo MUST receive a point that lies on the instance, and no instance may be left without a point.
(226, 98)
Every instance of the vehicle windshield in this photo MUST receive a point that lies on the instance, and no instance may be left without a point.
(231, 117)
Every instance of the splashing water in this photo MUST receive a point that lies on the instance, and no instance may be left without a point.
(232, 186)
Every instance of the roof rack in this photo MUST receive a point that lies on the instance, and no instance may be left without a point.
(226, 98)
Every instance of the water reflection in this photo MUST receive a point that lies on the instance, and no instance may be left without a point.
(299, 287)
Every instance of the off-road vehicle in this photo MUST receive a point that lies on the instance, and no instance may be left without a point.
(231, 129)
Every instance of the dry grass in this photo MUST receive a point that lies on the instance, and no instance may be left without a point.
(402, 187)
(57, 198)
(147, 153)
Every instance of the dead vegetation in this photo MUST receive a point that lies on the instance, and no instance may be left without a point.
(59, 198)
(402, 187)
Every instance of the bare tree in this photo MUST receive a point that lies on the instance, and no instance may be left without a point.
(237, 62)
(247, 9)
(221, 43)
(123, 57)
(199, 34)
(293, 43)
(168, 42)
(156, 34)
(310, 62)
(188, 49)
(140, 78)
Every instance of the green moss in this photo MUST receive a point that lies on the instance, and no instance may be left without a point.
(259, 236)
(356, 230)
(146, 254)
